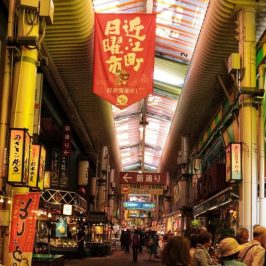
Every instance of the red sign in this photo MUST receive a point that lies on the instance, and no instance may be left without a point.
(124, 47)
(143, 178)
(66, 149)
(23, 222)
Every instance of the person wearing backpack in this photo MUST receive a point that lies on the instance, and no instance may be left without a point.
(135, 245)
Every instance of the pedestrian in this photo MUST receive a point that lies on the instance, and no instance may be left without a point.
(122, 239)
(242, 235)
(201, 255)
(194, 239)
(176, 252)
(153, 243)
(80, 241)
(253, 254)
(135, 245)
(228, 252)
(127, 240)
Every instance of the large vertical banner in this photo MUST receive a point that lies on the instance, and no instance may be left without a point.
(23, 223)
(124, 47)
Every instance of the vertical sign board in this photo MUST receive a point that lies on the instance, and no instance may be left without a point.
(19, 156)
(22, 232)
(41, 170)
(124, 46)
(233, 162)
(34, 165)
(55, 163)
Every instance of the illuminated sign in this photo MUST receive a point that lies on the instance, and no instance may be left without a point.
(233, 162)
(138, 205)
(19, 156)
(142, 178)
(67, 209)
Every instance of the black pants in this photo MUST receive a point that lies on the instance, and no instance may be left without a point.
(135, 250)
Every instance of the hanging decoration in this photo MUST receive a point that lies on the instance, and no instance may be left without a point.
(124, 46)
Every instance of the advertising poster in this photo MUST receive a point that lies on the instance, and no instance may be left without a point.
(61, 228)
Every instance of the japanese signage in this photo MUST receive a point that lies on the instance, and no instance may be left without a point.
(19, 156)
(55, 163)
(66, 149)
(34, 165)
(143, 178)
(23, 224)
(142, 189)
(41, 171)
(139, 205)
(64, 167)
(233, 162)
(124, 47)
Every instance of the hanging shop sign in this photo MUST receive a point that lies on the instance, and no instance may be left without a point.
(66, 147)
(47, 179)
(142, 189)
(19, 156)
(233, 162)
(124, 46)
(55, 164)
(138, 205)
(64, 170)
(143, 178)
(67, 209)
(37, 166)
(23, 223)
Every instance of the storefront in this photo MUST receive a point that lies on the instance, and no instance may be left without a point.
(99, 234)
(219, 213)
(61, 215)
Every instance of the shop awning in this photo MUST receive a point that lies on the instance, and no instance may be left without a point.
(224, 197)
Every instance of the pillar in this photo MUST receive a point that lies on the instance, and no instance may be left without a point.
(247, 117)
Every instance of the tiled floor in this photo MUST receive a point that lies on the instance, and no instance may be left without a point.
(118, 258)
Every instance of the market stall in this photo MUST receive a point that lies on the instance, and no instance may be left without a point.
(99, 234)
(62, 213)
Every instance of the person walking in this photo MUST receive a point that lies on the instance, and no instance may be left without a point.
(127, 240)
(201, 255)
(80, 241)
(253, 254)
(228, 252)
(135, 245)
(176, 252)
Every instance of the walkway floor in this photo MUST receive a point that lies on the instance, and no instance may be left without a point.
(118, 258)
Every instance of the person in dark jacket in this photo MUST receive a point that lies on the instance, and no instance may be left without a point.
(176, 252)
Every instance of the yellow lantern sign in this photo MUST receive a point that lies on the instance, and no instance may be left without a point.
(19, 156)
(37, 166)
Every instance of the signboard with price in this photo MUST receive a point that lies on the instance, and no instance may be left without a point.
(142, 178)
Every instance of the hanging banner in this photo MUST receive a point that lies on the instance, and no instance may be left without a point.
(124, 46)
(23, 222)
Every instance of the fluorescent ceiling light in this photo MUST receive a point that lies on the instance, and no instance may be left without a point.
(166, 77)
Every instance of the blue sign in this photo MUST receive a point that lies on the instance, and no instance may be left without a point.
(138, 205)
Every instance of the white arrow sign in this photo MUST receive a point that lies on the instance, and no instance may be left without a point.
(126, 177)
